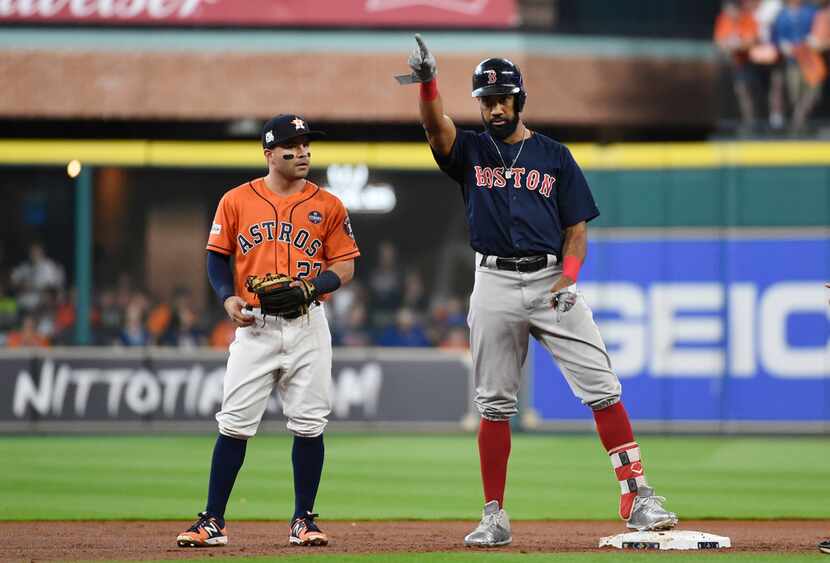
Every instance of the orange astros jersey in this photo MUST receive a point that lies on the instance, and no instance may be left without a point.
(299, 235)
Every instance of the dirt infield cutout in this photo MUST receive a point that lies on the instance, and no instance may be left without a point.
(156, 540)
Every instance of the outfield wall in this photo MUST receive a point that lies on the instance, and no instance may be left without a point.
(705, 269)
(154, 389)
(708, 330)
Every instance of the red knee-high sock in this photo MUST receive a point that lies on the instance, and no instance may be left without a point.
(614, 429)
(493, 451)
(613, 426)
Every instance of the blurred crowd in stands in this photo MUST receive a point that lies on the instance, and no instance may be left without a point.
(388, 306)
(777, 51)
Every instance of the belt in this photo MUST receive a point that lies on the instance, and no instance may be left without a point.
(524, 264)
(287, 316)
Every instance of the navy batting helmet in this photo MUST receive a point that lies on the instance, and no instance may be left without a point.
(499, 77)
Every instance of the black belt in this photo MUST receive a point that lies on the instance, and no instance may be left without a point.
(523, 264)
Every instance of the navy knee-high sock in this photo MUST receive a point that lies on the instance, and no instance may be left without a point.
(228, 455)
(307, 459)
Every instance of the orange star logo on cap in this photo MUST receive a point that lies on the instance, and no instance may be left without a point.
(298, 123)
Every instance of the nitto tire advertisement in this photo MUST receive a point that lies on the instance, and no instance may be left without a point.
(152, 385)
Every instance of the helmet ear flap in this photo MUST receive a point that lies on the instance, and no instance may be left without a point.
(519, 101)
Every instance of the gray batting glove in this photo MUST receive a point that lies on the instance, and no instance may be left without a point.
(422, 62)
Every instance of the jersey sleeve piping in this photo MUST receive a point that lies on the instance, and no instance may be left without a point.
(220, 249)
(351, 254)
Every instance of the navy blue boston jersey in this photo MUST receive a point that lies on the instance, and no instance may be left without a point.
(527, 213)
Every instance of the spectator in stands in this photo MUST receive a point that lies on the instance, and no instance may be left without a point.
(405, 333)
(222, 334)
(736, 32)
(63, 317)
(446, 315)
(819, 37)
(110, 319)
(27, 335)
(456, 315)
(8, 305)
(414, 295)
(765, 57)
(385, 286)
(183, 331)
(457, 338)
(814, 61)
(339, 307)
(133, 332)
(35, 276)
(160, 321)
(355, 331)
(765, 12)
(789, 34)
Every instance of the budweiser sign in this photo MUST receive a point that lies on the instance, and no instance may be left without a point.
(116, 9)
(271, 13)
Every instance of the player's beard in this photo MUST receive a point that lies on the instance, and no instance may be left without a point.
(502, 132)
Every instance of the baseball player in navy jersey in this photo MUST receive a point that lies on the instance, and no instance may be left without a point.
(527, 205)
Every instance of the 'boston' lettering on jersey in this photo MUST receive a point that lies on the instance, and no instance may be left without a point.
(283, 232)
(528, 213)
(488, 177)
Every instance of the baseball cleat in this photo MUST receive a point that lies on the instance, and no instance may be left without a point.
(648, 513)
(824, 547)
(493, 530)
(305, 532)
(205, 532)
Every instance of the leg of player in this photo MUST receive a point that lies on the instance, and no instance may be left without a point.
(247, 385)
(209, 529)
(304, 390)
(639, 506)
(498, 340)
(574, 341)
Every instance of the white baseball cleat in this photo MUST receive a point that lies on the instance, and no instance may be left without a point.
(493, 530)
(648, 513)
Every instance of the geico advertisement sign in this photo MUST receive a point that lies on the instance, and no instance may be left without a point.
(66, 390)
(707, 329)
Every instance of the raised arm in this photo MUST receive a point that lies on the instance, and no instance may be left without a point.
(439, 128)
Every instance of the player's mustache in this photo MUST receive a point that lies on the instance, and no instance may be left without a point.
(291, 156)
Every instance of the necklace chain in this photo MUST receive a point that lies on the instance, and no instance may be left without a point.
(508, 172)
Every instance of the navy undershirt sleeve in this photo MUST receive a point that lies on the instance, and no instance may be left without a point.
(220, 275)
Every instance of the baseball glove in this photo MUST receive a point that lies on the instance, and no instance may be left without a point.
(278, 297)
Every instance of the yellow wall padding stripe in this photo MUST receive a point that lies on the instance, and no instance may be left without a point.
(402, 156)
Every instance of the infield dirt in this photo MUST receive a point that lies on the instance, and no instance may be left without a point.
(131, 540)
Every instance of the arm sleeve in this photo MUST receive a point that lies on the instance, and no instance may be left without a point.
(573, 198)
(340, 244)
(453, 164)
(219, 274)
(222, 230)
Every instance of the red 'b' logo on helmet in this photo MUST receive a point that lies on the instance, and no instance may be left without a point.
(491, 76)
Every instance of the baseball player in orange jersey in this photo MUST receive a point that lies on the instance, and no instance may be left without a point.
(281, 223)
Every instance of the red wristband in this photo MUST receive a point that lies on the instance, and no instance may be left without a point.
(429, 90)
(571, 266)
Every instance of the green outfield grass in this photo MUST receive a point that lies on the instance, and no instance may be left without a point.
(392, 476)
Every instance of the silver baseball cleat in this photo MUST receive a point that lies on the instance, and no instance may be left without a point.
(493, 530)
(648, 513)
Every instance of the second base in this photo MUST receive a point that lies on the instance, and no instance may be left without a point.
(672, 539)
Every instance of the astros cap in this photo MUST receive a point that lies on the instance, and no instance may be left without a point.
(283, 127)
